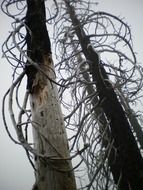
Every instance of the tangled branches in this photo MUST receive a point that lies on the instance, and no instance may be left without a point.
(111, 37)
(14, 50)
(87, 126)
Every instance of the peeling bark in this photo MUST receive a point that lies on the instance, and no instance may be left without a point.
(37, 38)
(54, 168)
(54, 171)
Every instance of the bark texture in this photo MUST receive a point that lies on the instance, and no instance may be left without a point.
(53, 167)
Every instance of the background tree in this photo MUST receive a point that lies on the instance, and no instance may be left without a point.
(107, 34)
(85, 82)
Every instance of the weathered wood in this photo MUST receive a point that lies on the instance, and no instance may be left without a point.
(54, 168)
(53, 171)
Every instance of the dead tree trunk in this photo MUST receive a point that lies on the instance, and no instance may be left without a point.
(132, 118)
(126, 163)
(53, 167)
(99, 114)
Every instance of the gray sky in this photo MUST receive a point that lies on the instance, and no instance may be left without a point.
(15, 171)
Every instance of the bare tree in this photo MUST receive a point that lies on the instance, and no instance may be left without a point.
(99, 81)
(112, 85)
(53, 169)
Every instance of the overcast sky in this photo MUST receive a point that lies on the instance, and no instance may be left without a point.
(15, 171)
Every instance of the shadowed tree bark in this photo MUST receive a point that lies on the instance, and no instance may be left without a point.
(126, 162)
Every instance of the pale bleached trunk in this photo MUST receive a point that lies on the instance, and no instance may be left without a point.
(54, 170)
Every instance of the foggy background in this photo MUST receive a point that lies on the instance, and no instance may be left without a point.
(16, 172)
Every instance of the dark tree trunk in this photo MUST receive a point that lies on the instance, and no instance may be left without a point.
(125, 160)
(37, 38)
